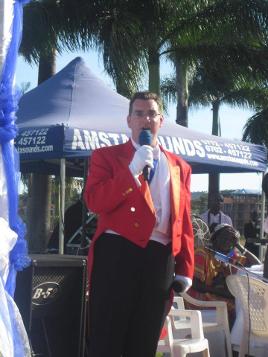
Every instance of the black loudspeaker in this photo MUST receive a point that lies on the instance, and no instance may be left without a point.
(51, 297)
(265, 184)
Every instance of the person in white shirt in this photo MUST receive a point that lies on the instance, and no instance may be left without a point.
(214, 215)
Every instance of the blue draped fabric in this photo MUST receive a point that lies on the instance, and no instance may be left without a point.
(8, 106)
(18, 257)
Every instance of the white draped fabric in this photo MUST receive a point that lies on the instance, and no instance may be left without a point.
(10, 318)
(13, 337)
(6, 18)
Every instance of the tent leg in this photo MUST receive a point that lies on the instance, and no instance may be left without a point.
(62, 205)
(262, 247)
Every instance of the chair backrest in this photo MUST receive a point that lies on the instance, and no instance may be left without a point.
(252, 296)
(195, 321)
(178, 302)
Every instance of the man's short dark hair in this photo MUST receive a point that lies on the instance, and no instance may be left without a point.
(216, 197)
(146, 96)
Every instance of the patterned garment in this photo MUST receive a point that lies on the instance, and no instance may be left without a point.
(213, 273)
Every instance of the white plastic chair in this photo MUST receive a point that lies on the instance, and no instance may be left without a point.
(252, 297)
(218, 318)
(178, 302)
(180, 347)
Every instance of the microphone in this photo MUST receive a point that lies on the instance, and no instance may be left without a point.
(220, 257)
(145, 138)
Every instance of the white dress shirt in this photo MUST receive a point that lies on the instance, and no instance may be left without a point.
(218, 218)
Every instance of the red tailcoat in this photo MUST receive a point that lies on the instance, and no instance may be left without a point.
(113, 194)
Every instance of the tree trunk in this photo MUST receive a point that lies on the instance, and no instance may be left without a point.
(154, 71)
(47, 67)
(39, 194)
(214, 179)
(215, 119)
(182, 93)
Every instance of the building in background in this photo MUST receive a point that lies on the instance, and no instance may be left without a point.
(238, 204)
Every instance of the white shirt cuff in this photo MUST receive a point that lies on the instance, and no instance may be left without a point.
(187, 282)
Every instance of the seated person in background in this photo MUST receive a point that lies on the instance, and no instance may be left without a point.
(214, 216)
(209, 275)
(251, 233)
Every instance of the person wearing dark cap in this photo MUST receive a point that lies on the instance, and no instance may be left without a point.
(214, 215)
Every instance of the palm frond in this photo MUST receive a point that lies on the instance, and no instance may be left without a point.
(256, 128)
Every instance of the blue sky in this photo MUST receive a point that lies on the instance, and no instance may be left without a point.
(232, 119)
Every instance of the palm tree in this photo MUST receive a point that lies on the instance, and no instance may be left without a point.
(221, 87)
(256, 127)
(229, 32)
(44, 25)
(132, 35)
(208, 87)
(129, 34)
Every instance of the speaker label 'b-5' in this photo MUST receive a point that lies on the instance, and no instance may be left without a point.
(45, 293)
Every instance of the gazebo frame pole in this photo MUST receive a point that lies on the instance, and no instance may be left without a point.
(62, 205)
(262, 248)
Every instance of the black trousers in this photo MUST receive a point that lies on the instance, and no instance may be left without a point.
(130, 289)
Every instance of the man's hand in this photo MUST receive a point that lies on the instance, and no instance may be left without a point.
(142, 157)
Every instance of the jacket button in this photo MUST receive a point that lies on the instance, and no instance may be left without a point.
(132, 209)
(136, 225)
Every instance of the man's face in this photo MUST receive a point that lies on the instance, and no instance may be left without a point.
(145, 114)
(215, 205)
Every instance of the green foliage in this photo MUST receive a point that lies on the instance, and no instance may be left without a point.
(221, 45)
(256, 128)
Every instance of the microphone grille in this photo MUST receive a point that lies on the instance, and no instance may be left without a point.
(145, 137)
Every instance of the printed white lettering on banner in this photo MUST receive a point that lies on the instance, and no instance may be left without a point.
(182, 146)
(210, 142)
(178, 146)
(77, 141)
(167, 144)
(209, 149)
(35, 132)
(189, 146)
(32, 140)
(115, 138)
(125, 138)
(91, 139)
(35, 149)
(200, 151)
(233, 159)
(104, 139)
(217, 149)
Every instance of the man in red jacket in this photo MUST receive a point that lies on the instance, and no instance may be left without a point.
(144, 238)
